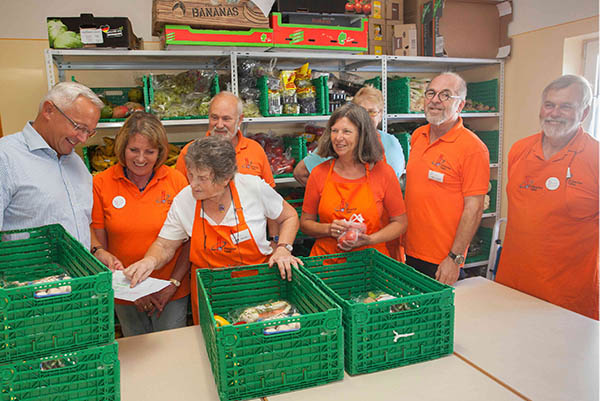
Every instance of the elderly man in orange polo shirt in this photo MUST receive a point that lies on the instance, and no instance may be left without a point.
(225, 115)
(551, 242)
(447, 177)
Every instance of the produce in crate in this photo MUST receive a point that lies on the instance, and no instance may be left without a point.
(280, 158)
(180, 95)
(173, 155)
(417, 94)
(103, 156)
(269, 311)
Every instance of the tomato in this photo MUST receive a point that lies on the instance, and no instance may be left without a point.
(349, 236)
(349, 7)
(358, 8)
(367, 8)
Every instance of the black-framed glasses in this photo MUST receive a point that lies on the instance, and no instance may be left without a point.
(78, 127)
(443, 95)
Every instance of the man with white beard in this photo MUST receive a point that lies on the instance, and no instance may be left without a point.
(551, 241)
(447, 177)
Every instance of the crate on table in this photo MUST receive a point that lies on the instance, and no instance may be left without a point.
(247, 363)
(479, 250)
(321, 97)
(491, 140)
(80, 315)
(86, 374)
(383, 335)
(485, 93)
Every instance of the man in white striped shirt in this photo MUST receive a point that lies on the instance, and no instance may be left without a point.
(42, 181)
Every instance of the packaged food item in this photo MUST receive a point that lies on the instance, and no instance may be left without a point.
(377, 296)
(64, 289)
(357, 226)
(273, 310)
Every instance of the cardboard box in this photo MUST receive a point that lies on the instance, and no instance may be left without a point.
(89, 31)
(477, 29)
(312, 6)
(376, 30)
(220, 14)
(182, 37)
(378, 48)
(404, 41)
(394, 10)
(412, 15)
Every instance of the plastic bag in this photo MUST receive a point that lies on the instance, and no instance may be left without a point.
(65, 289)
(272, 310)
(357, 226)
(377, 296)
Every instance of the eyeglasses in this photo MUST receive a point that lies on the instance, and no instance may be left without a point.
(82, 129)
(442, 95)
(373, 112)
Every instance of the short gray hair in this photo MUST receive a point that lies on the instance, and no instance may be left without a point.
(462, 85)
(240, 105)
(214, 154)
(64, 94)
(567, 80)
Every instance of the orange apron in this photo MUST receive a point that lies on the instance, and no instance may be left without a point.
(341, 201)
(548, 243)
(215, 246)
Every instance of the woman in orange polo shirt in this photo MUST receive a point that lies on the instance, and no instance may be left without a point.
(131, 202)
(225, 214)
(356, 181)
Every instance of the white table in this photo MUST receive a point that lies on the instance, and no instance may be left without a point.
(541, 350)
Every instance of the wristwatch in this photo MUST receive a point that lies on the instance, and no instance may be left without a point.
(287, 246)
(175, 282)
(458, 259)
(95, 249)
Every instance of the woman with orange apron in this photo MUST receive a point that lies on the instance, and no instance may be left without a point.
(225, 214)
(356, 182)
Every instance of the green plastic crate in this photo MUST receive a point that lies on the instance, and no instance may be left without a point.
(149, 98)
(485, 92)
(398, 95)
(491, 140)
(375, 82)
(321, 98)
(297, 144)
(37, 326)
(492, 193)
(87, 374)
(404, 139)
(374, 337)
(485, 235)
(118, 97)
(249, 364)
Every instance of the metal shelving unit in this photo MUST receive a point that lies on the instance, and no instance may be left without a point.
(58, 62)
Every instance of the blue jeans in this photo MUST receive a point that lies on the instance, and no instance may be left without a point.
(133, 322)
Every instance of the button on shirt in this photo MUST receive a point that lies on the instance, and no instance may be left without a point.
(37, 188)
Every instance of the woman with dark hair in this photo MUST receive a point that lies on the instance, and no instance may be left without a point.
(131, 202)
(354, 182)
(225, 214)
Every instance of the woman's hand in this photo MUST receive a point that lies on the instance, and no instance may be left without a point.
(108, 259)
(285, 260)
(161, 298)
(338, 227)
(361, 240)
(145, 305)
(140, 270)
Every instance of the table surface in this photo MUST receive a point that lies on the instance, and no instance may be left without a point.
(543, 351)
(506, 344)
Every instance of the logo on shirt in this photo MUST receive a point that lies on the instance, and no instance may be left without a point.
(345, 208)
(222, 246)
(248, 165)
(165, 198)
(441, 163)
(529, 184)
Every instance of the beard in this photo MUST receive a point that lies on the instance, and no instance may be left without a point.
(224, 133)
(565, 128)
(441, 118)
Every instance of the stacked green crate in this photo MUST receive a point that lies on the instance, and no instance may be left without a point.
(484, 93)
(321, 98)
(246, 361)
(417, 325)
(49, 326)
(404, 139)
(491, 140)
(483, 237)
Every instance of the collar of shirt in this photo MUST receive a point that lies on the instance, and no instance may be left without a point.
(119, 173)
(449, 136)
(33, 139)
(242, 141)
(575, 145)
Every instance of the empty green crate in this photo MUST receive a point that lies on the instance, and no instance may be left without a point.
(149, 95)
(485, 92)
(375, 338)
(249, 364)
(492, 194)
(398, 95)
(91, 374)
(491, 140)
(321, 98)
(32, 326)
(404, 139)
(484, 234)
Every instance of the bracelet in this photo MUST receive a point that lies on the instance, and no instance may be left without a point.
(175, 282)
(95, 249)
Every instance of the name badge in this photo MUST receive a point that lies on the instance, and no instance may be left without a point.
(241, 236)
(435, 176)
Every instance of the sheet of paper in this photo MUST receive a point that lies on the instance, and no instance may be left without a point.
(264, 5)
(122, 291)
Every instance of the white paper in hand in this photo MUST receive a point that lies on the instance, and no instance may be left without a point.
(121, 284)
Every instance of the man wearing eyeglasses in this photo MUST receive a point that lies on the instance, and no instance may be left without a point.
(447, 177)
(551, 243)
(42, 181)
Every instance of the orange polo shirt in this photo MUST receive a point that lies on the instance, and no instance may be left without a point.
(551, 242)
(251, 159)
(438, 178)
(133, 219)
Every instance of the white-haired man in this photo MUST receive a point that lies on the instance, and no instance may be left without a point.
(42, 181)
(551, 241)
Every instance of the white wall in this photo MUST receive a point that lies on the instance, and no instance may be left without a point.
(529, 15)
